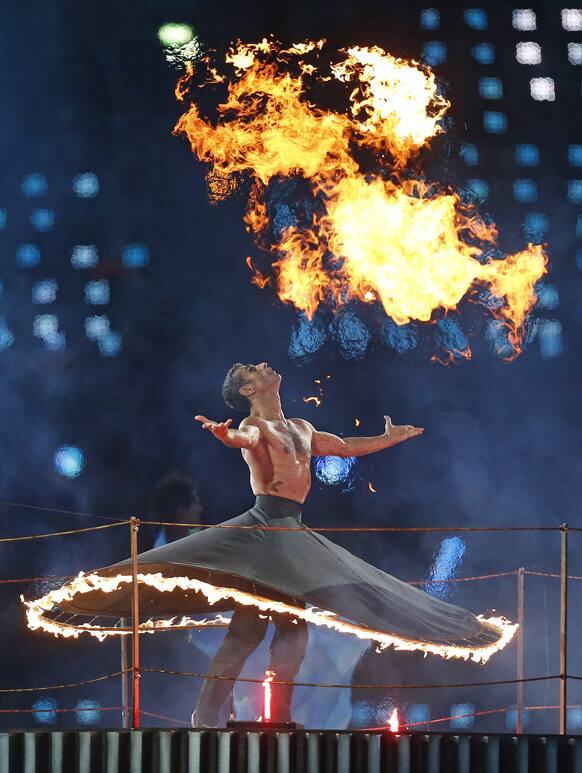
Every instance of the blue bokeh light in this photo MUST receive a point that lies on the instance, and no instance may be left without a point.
(69, 461)
(417, 713)
(334, 470)
(525, 190)
(88, 711)
(469, 153)
(535, 225)
(548, 296)
(6, 335)
(3, 217)
(575, 191)
(494, 122)
(479, 188)
(45, 325)
(34, 185)
(352, 335)
(27, 255)
(402, 338)
(45, 291)
(550, 338)
(42, 220)
(434, 52)
(527, 154)
(490, 88)
(110, 344)
(97, 292)
(461, 722)
(307, 337)
(484, 53)
(44, 711)
(450, 337)
(430, 19)
(575, 155)
(445, 566)
(86, 185)
(84, 256)
(475, 18)
(135, 256)
(96, 326)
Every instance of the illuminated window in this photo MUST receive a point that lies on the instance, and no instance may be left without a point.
(523, 19)
(535, 225)
(135, 256)
(478, 188)
(84, 256)
(470, 154)
(542, 89)
(45, 291)
(550, 338)
(527, 155)
(575, 155)
(525, 190)
(27, 255)
(490, 88)
(34, 185)
(575, 53)
(86, 185)
(97, 292)
(430, 19)
(572, 19)
(484, 53)
(476, 18)
(528, 53)
(434, 52)
(494, 122)
(575, 191)
(460, 713)
(42, 219)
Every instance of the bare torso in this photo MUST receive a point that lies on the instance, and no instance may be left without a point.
(280, 464)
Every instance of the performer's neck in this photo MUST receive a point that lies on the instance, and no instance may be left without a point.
(268, 407)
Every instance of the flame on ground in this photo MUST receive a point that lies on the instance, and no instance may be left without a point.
(36, 619)
(267, 693)
(393, 723)
(376, 236)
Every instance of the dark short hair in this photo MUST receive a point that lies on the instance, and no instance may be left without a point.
(173, 493)
(230, 389)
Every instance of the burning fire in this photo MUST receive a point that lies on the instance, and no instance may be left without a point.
(267, 695)
(87, 583)
(393, 723)
(375, 234)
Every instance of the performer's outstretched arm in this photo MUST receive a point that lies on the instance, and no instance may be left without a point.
(246, 436)
(326, 444)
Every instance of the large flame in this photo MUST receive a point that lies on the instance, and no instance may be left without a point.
(376, 235)
(86, 583)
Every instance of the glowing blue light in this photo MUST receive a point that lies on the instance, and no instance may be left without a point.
(476, 18)
(306, 338)
(548, 296)
(524, 19)
(34, 185)
(96, 327)
(55, 342)
(525, 191)
(97, 292)
(135, 256)
(44, 711)
(42, 219)
(478, 188)
(575, 191)
(579, 258)
(450, 337)
(3, 218)
(6, 335)
(483, 53)
(45, 325)
(445, 566)
(434, 53)
(333, 470)
(417, 713)
(497, 334)
(575, 53)
(110, 344)
(27, 255)
(494, 122)
(352, 335)
(550, 338)
(575, 155)
(461, 722)
(574, 716)
(84, 256)
(69, 461)
(283, 218)
(430, 19)
(535, 225)
(160, 539)
(490, 88)
(527, 155)
(579, 225)
(88, 712)
(86, 185)
(469, 154)
(511, 718)
(402, 338)
(45, 291)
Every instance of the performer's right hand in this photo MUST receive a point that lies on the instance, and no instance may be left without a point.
(218, 428)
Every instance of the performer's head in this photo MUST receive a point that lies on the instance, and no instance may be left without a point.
(246, 383)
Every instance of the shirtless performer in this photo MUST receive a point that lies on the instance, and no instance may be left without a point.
(278, 452)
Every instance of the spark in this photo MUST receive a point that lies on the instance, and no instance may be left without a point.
(313, 399)
(372, 489)
(357, 422)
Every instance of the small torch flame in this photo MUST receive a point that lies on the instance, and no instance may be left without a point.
(313, 399)
(372, 489)
(267, 695)
(393, 723)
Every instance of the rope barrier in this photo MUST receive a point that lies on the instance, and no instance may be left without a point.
(57, 510)
(63, 533)
(351, 529)
(6, 690)
(163, 716)
(351, 686)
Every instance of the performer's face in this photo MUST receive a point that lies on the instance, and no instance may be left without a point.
(258, 379)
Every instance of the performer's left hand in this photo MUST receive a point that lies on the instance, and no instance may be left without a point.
(403, 431)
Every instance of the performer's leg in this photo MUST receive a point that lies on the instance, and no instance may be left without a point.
(288, 648)
(245, 632)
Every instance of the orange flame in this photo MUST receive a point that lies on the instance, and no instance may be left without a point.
(267, 695)
(313, 399)
(393, 723)
(396, 241)
(36, 617)
(372, 489)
